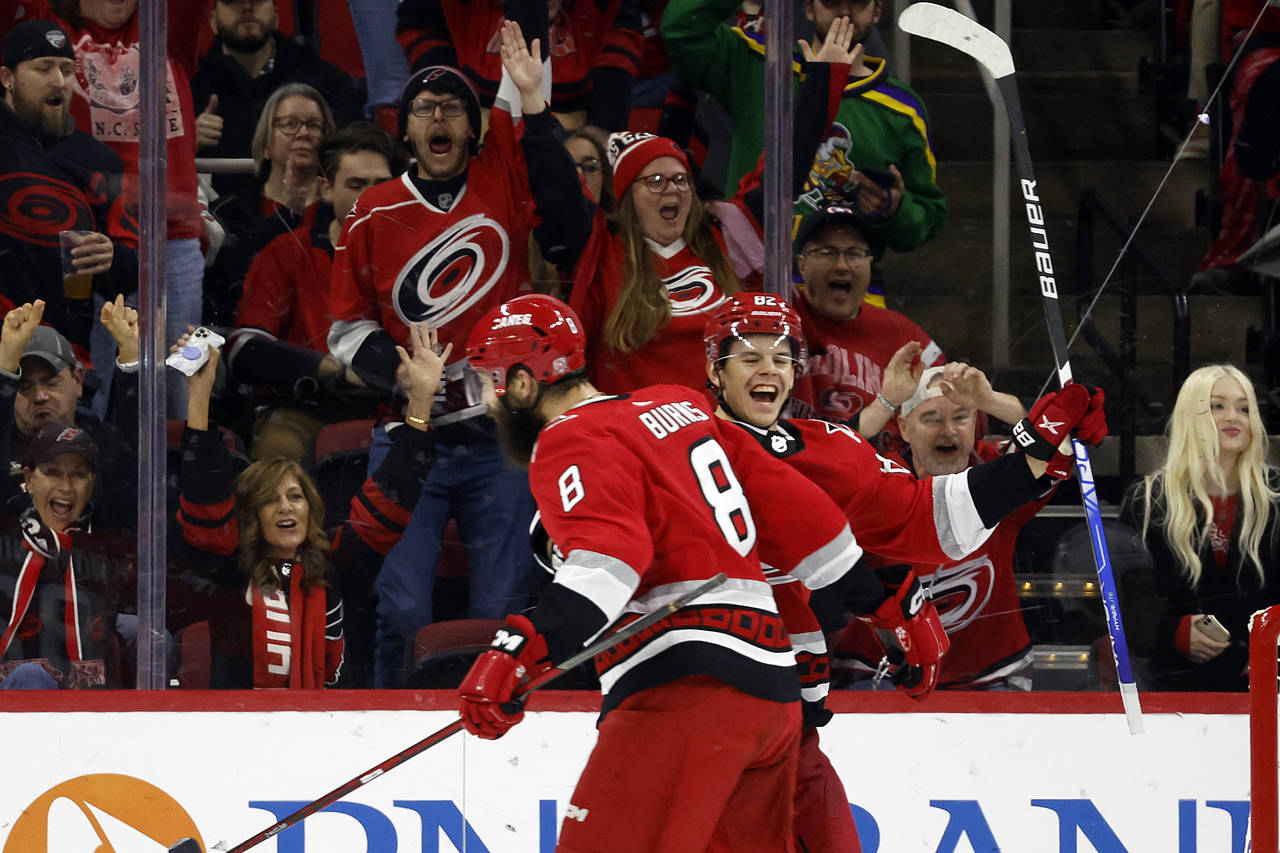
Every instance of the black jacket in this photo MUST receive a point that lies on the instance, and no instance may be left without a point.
(71, 183)
(241, 97)
(1232, 595)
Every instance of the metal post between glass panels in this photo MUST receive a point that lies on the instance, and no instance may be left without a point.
(152, 219)
(779, 44)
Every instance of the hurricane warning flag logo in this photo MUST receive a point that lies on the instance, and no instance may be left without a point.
(104, 813)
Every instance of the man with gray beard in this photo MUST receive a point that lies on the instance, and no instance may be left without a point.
(56, 178)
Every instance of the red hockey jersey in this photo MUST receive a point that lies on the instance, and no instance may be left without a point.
(847, 360)
(402, 260)
(648, 494)
(977, 599)
(676, 354)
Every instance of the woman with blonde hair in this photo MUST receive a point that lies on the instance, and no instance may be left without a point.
(1208, 517)
(285, 147)
(302, 599)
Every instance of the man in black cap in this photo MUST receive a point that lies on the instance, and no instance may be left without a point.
(40, 384)
(57, 179)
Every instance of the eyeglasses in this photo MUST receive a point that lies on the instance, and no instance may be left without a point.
(290, 126)
(828, 255)
(423, 108)
(658, 183)
(588, 165)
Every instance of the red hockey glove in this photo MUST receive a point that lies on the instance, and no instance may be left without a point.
(1053, 417)
(486, 707)
(914, 624)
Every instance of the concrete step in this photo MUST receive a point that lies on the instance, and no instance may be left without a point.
(1059, 126)
(1126, 185)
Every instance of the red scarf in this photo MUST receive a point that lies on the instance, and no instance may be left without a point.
(288, 641)
(25, 590)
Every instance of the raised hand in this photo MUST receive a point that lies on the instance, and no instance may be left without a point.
(122, 322)
(199, 384)
(902, 373)
(524, 65)
(836, 47)
(420, 372)
(19, 325)
(209, 125)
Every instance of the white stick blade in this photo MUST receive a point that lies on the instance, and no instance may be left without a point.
(940, 23)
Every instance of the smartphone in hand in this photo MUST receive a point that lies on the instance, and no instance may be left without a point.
(1212, 628)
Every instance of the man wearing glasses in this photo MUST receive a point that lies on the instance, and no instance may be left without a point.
(851, 342)
(442, 245)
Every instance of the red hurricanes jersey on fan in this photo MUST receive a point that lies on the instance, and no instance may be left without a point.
(977, 600)
(648, 494)
(676, 354)
(402, 260)
(847, 360)
(286, 291)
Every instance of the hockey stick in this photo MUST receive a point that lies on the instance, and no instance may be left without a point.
(188, 845)
(948, 26)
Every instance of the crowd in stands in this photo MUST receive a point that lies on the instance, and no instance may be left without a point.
(356, 229)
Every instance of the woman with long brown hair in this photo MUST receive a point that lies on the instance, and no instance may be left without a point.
(284, 624)
(1208, 517)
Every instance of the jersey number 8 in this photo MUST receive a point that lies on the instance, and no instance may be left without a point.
(723, 494)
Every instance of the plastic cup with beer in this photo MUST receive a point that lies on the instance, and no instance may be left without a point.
(75, 284)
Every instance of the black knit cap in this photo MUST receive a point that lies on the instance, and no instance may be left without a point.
(439, 80)
(33, 40)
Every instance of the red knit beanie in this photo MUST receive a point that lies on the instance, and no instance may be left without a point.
(630, 152)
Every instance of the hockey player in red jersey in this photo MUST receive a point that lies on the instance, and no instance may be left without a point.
(648, 494)
(755, 347)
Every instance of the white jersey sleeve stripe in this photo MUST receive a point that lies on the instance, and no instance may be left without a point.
(605, 581)
(829, 563)
(346, 338)
(955, 516)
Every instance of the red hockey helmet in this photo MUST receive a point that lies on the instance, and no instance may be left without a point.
(750, 313)
(537, 332)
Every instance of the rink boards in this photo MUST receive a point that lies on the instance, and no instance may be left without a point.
(1041, 773)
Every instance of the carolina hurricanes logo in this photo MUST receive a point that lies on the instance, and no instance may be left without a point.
(961, 592)
(452, 272)
(692, 290)
(34, 208)
(841, 401)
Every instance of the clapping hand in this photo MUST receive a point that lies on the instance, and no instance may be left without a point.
(836, 46)
(420, 372)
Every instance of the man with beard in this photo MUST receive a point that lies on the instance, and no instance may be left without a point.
(441, 245)
(248, 61)
(976, 596)
(755, 347)
(647, 494)
(56, 178)
(876, 153)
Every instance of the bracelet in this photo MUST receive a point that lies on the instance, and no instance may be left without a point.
(128, 366)
(884, 402)
(415, 420)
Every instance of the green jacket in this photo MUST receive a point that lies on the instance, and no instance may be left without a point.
(880, 121)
